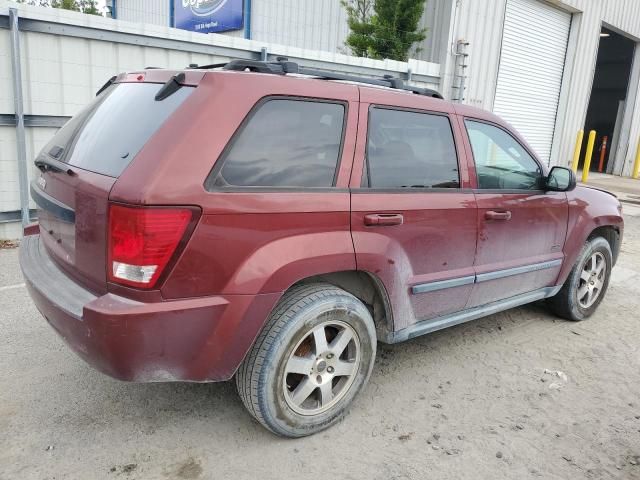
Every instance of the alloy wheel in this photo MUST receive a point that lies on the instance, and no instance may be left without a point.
(321, 368)
(592, 278)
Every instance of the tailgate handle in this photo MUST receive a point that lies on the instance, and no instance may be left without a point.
(492, 215)
(383, 219)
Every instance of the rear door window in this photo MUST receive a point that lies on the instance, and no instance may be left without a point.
(284, 143)
(410, 150)
(108, 133)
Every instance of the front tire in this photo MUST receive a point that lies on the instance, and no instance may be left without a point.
(587, 283)
(311, 359)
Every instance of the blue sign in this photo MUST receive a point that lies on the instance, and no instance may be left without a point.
(206, 16)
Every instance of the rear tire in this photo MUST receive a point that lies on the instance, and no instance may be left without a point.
(311, 359)
(587, 283)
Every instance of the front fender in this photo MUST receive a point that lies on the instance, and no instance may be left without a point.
(588, 210)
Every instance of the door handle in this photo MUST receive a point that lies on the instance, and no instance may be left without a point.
(383, 219)
(493, 215)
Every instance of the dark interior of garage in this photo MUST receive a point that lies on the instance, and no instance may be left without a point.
(610, 84)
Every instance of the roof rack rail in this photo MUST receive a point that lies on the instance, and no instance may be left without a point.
(283, 66)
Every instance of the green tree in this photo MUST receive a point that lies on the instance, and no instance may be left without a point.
(66, 5)
(37, 3)
(384, 28)
(89, 7)
(359, 13)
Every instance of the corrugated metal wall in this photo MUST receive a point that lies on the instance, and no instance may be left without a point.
(620, 14)
(481, 23)
(436, 17)
(63, 68)
(155, 12)
(318, 25)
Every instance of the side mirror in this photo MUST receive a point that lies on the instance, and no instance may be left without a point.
(560, 179)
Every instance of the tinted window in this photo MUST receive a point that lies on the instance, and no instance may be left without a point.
(108, 133)
(285, 143)
(408, 149)
(501, 162)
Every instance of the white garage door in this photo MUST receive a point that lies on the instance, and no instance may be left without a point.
(534, 46)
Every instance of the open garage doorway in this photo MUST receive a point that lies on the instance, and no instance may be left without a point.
(608, 97)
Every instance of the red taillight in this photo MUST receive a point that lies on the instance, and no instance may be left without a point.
(142, 241)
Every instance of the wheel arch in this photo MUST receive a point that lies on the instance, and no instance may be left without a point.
(366, 287)
(611, 233)
(610, 230)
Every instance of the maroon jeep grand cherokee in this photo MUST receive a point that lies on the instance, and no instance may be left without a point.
(236, 220)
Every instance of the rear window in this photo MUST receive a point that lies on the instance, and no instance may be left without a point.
(109, 132)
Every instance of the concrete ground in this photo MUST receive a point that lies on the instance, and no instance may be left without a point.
(517, 395)
(626, 188)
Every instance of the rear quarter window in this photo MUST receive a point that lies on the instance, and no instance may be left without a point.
(109, 132)
(283, 143)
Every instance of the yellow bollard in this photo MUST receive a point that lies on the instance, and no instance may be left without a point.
(636, 164)
(576, 151)
(588, 155)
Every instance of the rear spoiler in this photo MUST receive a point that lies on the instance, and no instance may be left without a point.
(190, 78)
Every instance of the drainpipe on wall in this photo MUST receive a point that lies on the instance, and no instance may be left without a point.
(110, 5)
(21, 144)
(247, 19)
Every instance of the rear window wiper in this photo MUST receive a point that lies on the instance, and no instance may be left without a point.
(53, 166)
(107, 84)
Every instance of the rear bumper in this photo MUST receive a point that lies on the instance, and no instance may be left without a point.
(199, 339)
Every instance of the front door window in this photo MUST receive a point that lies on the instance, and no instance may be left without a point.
(501, 162)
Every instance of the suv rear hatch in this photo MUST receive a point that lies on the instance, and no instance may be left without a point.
(83, 161)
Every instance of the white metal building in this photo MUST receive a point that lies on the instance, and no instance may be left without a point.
(551, 68)
(531, 61)
(309, 24)
(534, 63)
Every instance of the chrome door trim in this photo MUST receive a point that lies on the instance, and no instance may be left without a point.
(442, 284)
(508, 272)
(482, 277)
